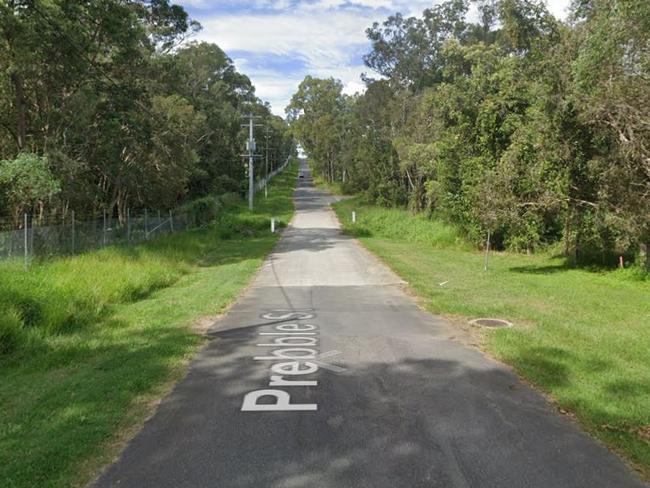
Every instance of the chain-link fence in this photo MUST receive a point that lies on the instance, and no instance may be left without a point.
(41, 237)
(69, 235)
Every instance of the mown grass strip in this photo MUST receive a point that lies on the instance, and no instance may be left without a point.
(581, 335)
(109, 333)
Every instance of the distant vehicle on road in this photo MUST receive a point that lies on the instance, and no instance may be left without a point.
(301, 175)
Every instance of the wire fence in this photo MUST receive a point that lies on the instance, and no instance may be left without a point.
(37, 237)
(40, 238)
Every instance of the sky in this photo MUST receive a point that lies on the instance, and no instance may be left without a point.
(276, 43)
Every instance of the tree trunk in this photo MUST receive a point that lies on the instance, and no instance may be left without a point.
(21, 110)
(577, 245)
(567, 234)
(644, 252)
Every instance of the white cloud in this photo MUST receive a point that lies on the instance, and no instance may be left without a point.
(325, 36)
(559, 8)
(353, 87)
(313, 38)
(326, 44)
(193, 3)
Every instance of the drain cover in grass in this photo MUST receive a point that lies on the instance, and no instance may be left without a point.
(491, 323)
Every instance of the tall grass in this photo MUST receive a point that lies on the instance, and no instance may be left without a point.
(99, 337)
(391, 224)
(59, 295)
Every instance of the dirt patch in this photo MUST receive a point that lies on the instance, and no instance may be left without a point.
(644, 433)
(202, 325)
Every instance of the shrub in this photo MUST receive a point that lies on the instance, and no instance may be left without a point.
(202, 211)
(230, 199)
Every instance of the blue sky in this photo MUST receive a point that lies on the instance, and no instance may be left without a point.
(278, 42)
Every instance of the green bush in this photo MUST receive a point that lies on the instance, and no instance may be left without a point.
(202, 211)
(230, 199)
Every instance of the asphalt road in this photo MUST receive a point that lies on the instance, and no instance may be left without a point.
(326, 374)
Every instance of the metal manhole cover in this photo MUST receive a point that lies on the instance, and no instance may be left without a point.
(491, 323)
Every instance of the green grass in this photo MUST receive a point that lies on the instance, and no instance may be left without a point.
(102, 336)
(583, 336)
(336, 187)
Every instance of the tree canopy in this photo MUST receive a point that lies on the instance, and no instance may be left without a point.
(534, 129)
(121, 107)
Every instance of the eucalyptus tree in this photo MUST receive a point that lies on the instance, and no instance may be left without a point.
(124, 110)
(314, 113)
(612, 91)
(515, 123)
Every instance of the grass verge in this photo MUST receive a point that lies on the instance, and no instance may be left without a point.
(582, 336)
(103, 335)
(335, 188)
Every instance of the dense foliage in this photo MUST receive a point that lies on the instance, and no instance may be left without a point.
(515, 123)
(107, 106)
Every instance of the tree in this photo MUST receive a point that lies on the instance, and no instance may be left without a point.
(127, 113)
(407, 51)
(26, 185)
(521, 125)
(612, 91)
(314, 114)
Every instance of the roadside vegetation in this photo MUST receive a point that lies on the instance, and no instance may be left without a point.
(108, 107)
(90, 342)
(580, 334)
(500, 119)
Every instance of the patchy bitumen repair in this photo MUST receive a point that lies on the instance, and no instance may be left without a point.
(325, 374)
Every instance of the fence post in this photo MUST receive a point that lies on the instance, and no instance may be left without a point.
(171, 221)
(25, 243)
(128, 225)
(73, 233)
(146, 224)
(104, 228)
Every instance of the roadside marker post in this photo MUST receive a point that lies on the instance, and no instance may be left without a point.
(354, 217)
(273, 225)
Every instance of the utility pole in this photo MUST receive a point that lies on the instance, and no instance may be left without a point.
(251, 166)
(266, 181)
(250, 147)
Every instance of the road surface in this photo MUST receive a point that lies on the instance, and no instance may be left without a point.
(326, 374)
